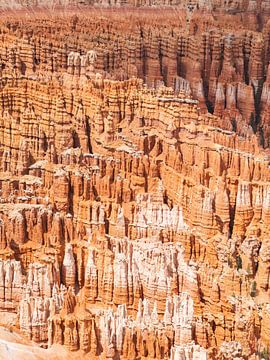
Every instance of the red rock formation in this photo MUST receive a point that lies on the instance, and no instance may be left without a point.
(133, 222)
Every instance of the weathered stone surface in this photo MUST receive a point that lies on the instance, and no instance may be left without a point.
(134, 219)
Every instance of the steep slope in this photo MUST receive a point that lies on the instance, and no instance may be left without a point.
(134, 223)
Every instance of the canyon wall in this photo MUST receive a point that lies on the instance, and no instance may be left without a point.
(232, 7)
(134, 216)
(220, 58)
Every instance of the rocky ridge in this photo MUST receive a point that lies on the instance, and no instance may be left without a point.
(134, 218)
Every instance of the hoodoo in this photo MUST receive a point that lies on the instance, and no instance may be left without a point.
(135, 180)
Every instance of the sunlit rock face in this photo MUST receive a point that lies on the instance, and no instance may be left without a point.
(135, 183)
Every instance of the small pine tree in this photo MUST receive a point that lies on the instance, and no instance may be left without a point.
(264, 354)
(238, 262)
(253, 291)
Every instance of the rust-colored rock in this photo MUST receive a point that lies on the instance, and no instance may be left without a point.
(134, 216)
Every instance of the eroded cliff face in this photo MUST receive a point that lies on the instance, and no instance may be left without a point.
(221, 59)
(231, 7)
(134, 223)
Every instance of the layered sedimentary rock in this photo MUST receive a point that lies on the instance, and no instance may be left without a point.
(219, 58)
(232, 7)
(134, 218)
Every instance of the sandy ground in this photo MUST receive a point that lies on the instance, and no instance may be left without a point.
(14, 347)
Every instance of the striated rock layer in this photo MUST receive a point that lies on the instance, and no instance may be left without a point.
(219, 57)
(135, 219)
